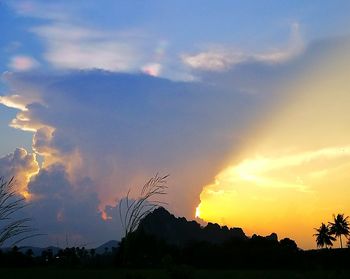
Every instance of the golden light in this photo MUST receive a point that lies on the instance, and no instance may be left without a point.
(297, 173)
(23, 191)
(25, 194)
(198, 213)
(279, 194)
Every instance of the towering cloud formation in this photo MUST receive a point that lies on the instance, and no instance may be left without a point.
(101, 133)
(118, 129)
(114, 131)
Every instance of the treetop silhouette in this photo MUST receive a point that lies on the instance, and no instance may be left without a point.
(339, 227)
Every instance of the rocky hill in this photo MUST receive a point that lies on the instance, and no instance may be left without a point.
(179, 231)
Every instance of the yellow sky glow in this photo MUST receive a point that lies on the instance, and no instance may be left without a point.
(297, 174)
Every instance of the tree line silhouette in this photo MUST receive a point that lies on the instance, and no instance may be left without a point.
(66, 258)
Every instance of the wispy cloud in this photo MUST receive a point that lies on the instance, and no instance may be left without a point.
(72, 43)
(23, 63)
(75, 47)
(221, 58)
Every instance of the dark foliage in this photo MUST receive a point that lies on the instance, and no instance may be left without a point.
(12, 228)
(73, 257)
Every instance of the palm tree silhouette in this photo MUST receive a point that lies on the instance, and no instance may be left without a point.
(340, 227)
(323, 236)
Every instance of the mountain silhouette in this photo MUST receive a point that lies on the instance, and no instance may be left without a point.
(180, 232)
(107, 247)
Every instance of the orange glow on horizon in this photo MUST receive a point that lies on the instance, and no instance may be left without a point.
(264, 195)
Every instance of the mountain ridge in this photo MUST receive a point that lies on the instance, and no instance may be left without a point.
(179, 231)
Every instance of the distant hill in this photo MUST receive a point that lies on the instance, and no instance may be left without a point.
(180, 232)
(107, 247)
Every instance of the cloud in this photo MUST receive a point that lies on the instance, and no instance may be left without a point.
(120, 129)
(61, 209)
(23, 63)
(213, 60)
(22, 166)
(72, 43)
(65, 210)
(74, 47)
(14, 101)
(152, 69)
(221, 58)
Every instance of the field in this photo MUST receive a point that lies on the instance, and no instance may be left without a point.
(181, 273)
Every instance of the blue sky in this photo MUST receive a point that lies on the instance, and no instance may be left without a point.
(145, 86)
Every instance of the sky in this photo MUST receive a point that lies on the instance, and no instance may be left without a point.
(243, 103)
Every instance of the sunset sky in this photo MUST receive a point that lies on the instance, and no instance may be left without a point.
(244, 103)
